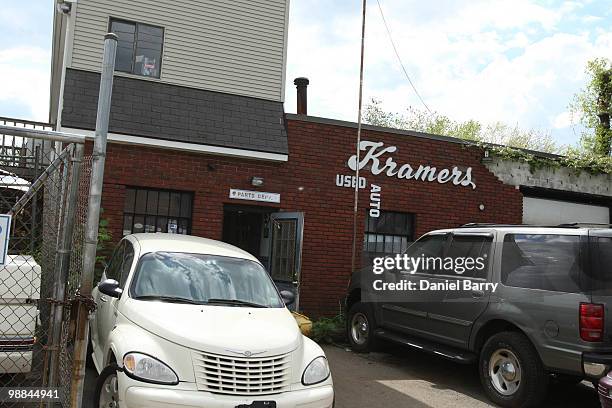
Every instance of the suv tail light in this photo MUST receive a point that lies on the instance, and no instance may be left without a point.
(591, 321)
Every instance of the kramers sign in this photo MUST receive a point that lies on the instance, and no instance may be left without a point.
(374, 151)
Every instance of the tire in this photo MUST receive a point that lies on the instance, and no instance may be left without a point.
(511, 371)
(360, 328)
(105, 380)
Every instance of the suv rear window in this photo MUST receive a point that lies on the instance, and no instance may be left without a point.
(542, 261)
(601, 262)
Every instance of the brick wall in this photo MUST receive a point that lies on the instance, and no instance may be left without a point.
(307, 183)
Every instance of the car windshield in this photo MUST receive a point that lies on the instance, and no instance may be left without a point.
(205, 279)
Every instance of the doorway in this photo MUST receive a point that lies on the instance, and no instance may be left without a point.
(275, 238)
(243, 227)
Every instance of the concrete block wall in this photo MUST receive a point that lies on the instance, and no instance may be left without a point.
(519, 174)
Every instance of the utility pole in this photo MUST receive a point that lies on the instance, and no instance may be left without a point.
(356, 198)
(85, 301)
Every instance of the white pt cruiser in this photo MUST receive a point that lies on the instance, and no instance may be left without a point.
(190, 322)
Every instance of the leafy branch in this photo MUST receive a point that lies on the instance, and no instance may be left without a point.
(573, 159)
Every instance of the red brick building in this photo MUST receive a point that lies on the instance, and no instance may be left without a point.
(319, 150)
(199, 143)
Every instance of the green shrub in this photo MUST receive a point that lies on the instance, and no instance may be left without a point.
(328, 330)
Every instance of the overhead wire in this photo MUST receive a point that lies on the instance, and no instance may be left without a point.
(382, 14)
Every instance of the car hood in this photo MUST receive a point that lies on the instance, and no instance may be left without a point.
(218, 329)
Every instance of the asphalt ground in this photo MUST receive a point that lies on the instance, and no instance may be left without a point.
(402, 377)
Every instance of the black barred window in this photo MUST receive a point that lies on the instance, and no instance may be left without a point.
(148, 210)
(387, 234)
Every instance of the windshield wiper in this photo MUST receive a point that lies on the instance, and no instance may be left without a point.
(233, 302)
(171, 299)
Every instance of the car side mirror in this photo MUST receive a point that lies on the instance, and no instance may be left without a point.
(110, 287)
(288, 297)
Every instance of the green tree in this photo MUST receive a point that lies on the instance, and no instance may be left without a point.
(435, 123)
(593, 106)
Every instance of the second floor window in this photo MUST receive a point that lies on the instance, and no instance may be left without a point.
(139, 49)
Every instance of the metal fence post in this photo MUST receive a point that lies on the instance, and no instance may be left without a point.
(33, 234)
(93, 217)
(63, 261)
(61, 184)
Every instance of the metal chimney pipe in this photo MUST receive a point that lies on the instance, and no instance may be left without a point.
(301, 84)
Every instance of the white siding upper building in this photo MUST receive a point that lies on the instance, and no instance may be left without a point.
(225, 46)
(209, 73)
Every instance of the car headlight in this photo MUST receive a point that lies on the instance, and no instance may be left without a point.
(146, 368)
(316, 372)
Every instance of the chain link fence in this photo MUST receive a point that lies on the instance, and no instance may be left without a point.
(72, 283)
(44, 186)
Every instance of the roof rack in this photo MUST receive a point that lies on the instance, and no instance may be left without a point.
(492, 224)
(483, 224)
(567, 225)
(586, 224)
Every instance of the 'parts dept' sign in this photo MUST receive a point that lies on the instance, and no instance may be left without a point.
(254, 196)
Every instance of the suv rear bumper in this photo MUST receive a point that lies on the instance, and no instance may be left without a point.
(596, 365)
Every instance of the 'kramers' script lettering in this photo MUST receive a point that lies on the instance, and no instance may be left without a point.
(374, 151)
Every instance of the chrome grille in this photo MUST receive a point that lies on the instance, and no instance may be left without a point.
(224, 374)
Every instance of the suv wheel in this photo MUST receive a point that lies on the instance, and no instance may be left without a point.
(360, 328)
(511, 371)
(107, 389)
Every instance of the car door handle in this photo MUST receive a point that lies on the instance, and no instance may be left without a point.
(103, 299)
(477, 294)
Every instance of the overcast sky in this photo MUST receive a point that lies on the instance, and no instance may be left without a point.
(517, 61)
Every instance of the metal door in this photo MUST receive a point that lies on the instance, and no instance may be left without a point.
(286, 252)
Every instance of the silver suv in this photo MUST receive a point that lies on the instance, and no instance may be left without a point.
(546, 318)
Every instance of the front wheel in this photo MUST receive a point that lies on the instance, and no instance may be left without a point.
(511, 371)
(360, 328)
(107, 389)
